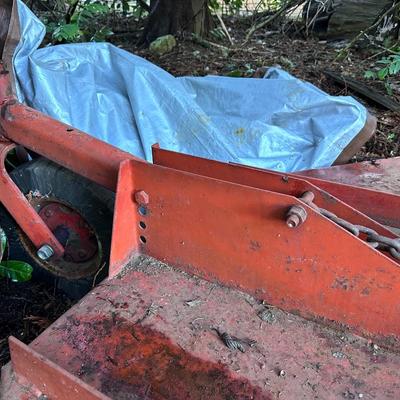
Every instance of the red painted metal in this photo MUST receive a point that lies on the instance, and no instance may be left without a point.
(47, 377)
(72, 230)
(264, 179)
(237, 235)
(371, 187)
(19, 207)
(140, 335)
(63, 144)
(353, 183)
(59, 142)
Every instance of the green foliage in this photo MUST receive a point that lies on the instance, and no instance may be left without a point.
(387, 67)
(391, 137)
(236, 5)
(17, 271)
(84, 25)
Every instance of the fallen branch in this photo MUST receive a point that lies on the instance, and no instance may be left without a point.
(364, 91)
(290, 4)
(223, 26)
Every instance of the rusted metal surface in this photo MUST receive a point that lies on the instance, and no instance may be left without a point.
(374, 239)
(264, 179)
(19, 207)
(63, 144)
(82, 254)
(296, 216)
(381, 175)
(237, 235)
(150, 334)
(48, 378)
(371, 187)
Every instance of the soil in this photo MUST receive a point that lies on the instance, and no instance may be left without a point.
(27, 309)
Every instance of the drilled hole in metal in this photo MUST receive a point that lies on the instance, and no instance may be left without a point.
(69, 130)
(142, 225)
(143, 239)
(142, 210)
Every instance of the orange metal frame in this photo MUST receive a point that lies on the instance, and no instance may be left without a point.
(227, 223)
(223, 222)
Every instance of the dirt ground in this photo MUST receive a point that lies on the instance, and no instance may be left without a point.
(27, 309)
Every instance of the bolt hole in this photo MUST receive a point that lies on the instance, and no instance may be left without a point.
(142, 225)
(69, 129)
(143, 239)
(142, 210)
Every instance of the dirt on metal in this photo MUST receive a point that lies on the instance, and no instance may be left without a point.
(151, 333)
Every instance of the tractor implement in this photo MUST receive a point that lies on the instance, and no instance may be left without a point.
(224, 281)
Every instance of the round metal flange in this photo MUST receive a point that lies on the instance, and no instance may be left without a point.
(82, 248)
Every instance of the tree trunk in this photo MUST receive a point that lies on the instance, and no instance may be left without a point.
(353, 16)
(172, 16)
(5, 16)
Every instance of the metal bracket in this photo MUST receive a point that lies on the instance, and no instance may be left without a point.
(23, 213)
(228, 224)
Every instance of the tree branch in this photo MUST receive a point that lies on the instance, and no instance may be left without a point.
(144, 5)
(271, 18)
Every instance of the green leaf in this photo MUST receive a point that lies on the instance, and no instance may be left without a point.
(68, 32)
(17, 271)
(389, 89)
(102, 34)
(235, 74)
(370, 75)
(391, 137)
(383, 73)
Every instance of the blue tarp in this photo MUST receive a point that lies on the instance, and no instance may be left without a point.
(278, 122)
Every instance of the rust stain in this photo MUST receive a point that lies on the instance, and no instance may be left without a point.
(127, 359)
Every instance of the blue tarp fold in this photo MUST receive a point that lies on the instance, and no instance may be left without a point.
(278, 122)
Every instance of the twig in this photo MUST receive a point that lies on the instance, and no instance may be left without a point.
(345, 51)
(144, 5)
(97, 274)
(282, 10)
(207, 43)
(223, 26)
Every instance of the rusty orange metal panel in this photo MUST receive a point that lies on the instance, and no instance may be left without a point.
(265, 179)
(63, 144)
(48, 378)
(125, 237)
(237, 235)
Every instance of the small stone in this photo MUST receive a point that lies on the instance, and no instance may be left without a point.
(282, 373)
(163, 44)
(360, 395)
(339, 355)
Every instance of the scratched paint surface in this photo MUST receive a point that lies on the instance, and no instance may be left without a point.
(148, 334)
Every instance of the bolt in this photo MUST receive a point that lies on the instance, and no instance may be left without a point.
(296, 216)
(45, 252)
(82, 254)
(141, 197)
